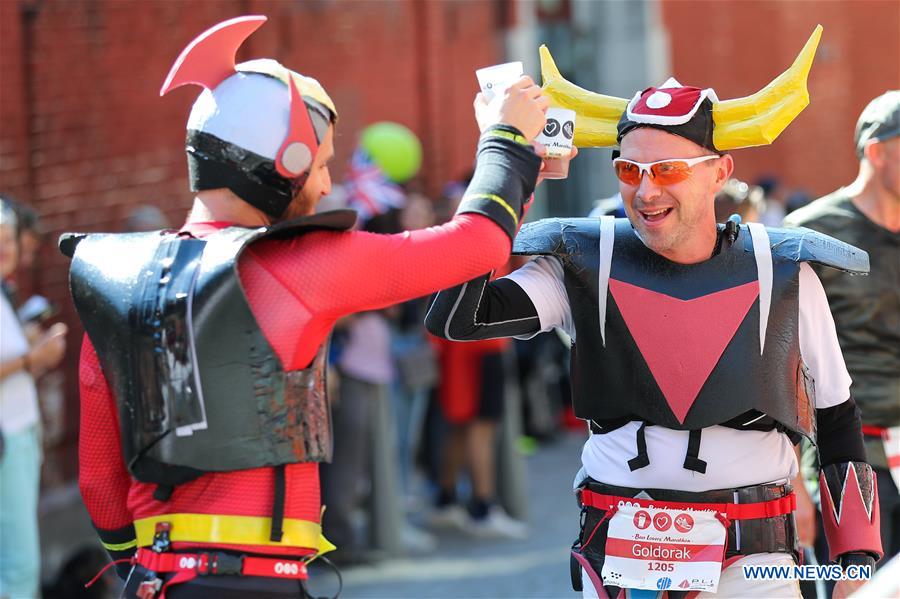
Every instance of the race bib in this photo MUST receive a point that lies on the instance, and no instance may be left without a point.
(658, 549)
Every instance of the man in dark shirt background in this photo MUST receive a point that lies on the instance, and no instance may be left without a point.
(866, 310)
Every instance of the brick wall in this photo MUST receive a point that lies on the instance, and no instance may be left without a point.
(738, 47)
(85, 137)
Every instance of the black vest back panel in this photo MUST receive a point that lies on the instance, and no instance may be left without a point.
(198, 386)
(639, 366)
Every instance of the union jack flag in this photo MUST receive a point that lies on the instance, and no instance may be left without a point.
(369, 192)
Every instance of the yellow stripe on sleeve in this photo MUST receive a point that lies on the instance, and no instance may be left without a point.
(120, 546)
(493, 198)
(508, 135)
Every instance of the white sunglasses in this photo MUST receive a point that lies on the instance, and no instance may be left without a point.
(663, 172)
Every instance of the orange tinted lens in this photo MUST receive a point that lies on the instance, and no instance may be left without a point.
(673, 171)
(628, 173)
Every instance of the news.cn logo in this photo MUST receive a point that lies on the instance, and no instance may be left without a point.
(641, 520)
(662, 522)
(663, 583)
(684, 522)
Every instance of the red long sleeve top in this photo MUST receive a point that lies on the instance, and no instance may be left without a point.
(297, 289)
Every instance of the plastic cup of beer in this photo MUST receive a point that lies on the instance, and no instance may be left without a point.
(557, 137)
(494, 80)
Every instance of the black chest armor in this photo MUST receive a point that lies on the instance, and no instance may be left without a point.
(198, 386)
(627, 369)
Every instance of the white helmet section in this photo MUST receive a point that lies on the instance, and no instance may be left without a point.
(249, 110)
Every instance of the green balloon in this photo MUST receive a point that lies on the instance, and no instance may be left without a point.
(394, 148)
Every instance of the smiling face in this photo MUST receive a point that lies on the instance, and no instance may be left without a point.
(677, 221)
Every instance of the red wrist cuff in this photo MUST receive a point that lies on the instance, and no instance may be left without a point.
(850, 509)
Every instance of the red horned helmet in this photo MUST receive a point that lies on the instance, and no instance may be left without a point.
(243, 133)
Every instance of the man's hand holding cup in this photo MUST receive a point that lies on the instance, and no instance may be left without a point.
(507, 96)
(521, 105)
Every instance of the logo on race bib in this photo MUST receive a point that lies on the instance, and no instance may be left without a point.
(551, 128)
(663, 583)
(684, 584)
(569, 129)
(641, 520)
(684, 522)
(662, 522)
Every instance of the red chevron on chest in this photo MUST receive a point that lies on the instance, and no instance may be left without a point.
(682, 340)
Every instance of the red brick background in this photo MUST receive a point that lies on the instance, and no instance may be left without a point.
(84, 136)
(738, 47)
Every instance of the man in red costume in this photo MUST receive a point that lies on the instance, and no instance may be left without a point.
(203, 410)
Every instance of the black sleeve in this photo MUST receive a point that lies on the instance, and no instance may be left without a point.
(481, 310)
(839, 434)
(504, 178)
(120, 544)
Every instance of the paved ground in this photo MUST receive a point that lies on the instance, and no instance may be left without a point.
(463, 568)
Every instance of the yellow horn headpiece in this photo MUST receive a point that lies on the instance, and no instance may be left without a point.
(597, 115)
(740, 123)
(758, 119)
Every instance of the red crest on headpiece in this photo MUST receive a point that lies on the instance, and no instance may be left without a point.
(209, 59)
(669, 104)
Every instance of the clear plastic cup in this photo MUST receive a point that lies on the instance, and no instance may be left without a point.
(556, 168)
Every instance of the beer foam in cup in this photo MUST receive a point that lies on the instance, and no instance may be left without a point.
(493, 80)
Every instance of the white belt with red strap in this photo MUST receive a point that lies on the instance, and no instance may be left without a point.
(188, 566)
(729, 511)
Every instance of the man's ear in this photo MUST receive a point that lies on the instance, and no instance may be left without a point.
(872, 152)
(724, 169)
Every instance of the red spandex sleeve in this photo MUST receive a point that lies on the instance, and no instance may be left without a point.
(339, 273)
(102, 476)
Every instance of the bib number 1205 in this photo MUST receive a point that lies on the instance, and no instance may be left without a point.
(660, 567)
